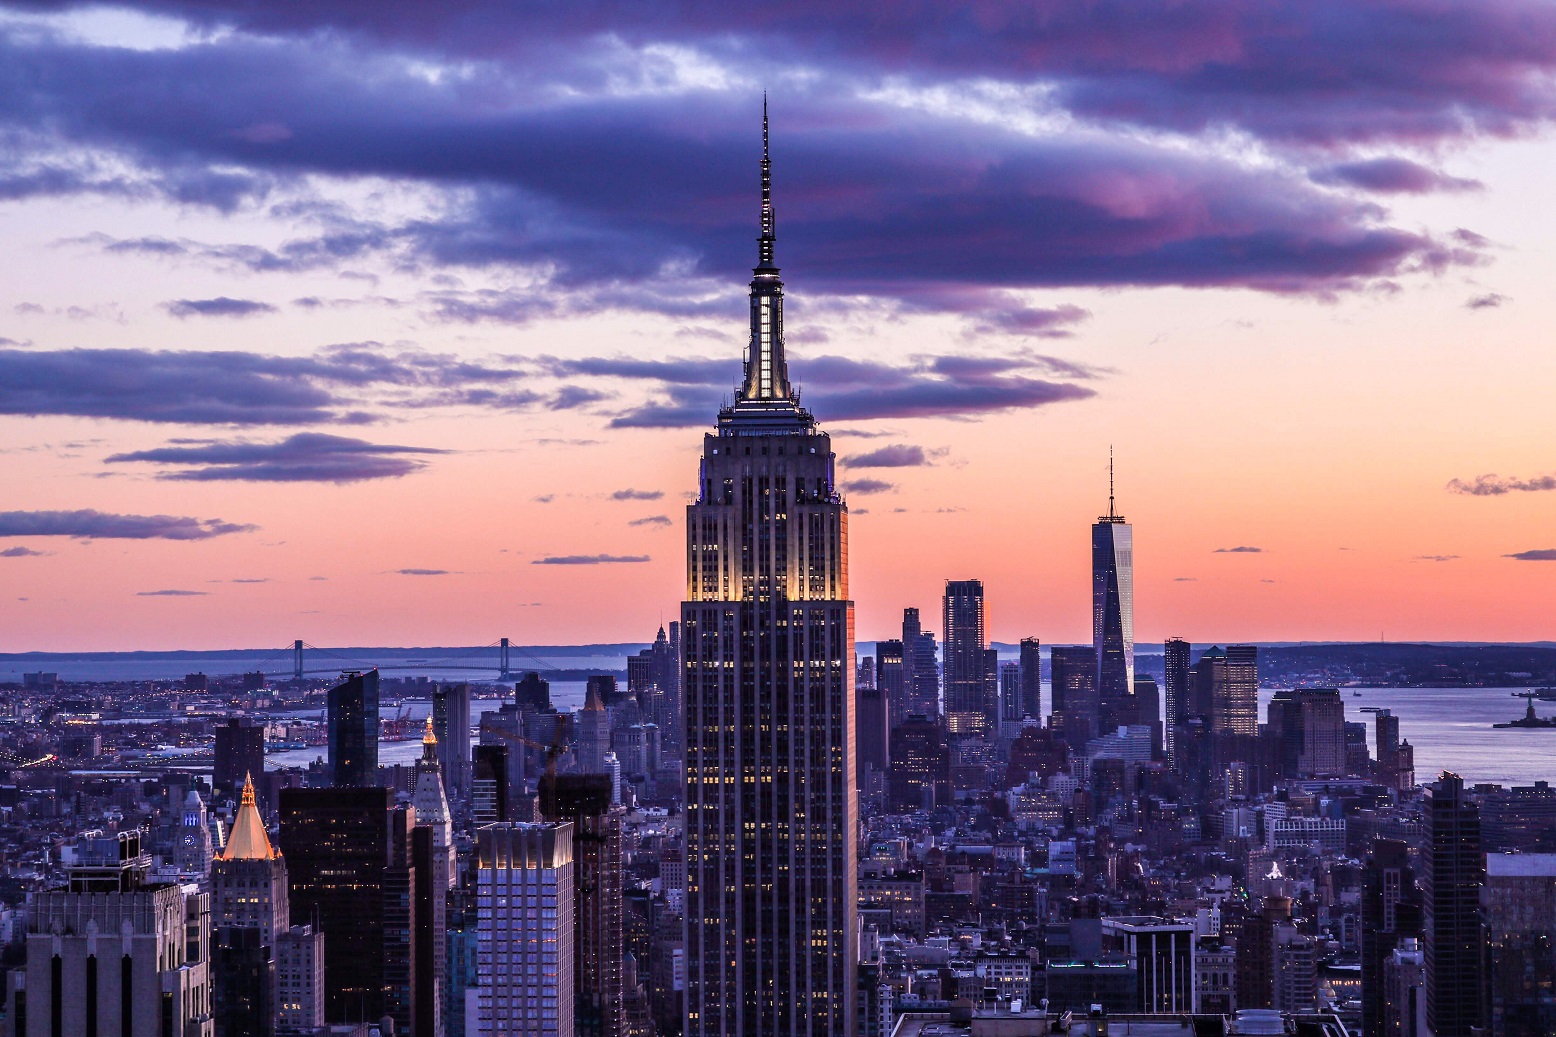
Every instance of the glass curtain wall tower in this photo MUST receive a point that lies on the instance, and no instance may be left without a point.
(1113, 610)
(767, 640)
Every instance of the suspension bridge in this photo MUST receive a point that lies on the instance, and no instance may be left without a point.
(500, 659)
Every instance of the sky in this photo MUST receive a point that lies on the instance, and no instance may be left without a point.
(400, 323)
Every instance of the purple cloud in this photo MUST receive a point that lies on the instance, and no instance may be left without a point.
(865, 487)
(631, 494)
(1392, 175)
(1489, 301)
(652, 520)
(421, 572)
(22, 552)
(601, 559)
(88, 524)
(1238, 550)
(221, 306)
(1494, 485)
(1544, 554)
(897, 455)
(171, 594)
(1435, 558)
(305, 457)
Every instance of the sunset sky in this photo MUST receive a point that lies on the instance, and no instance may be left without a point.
(400, 323)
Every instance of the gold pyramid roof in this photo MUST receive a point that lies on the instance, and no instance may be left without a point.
(248, 841)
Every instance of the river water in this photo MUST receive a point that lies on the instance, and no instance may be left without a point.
(1449, 727)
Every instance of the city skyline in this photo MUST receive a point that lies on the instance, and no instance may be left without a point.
(528, 348)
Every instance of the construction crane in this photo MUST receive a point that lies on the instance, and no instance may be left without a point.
(553, 749)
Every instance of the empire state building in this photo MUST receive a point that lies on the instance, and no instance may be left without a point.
(767, 643)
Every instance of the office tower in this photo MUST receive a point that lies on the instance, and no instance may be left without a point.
(1113, 606)
(193, 852)
(353, 730)
(1294, 970)
(1148, 711)
(525, 896)
(1390, 913)
(113, 952)
(1452, 872)
(1074, 693)
(532, 694)
(1403, 1008)
(920, 774)
(248, 912)
(585, 801)
(872, 731)
(1234, 708)
(1518, 902)
(969, 708)
(299, 979)
(489, 784)
(1010, 694)
(890, 677)
(921, 667)
(1176, 693)
(771, 811)
(434, 879)
(1307, 729)
(1031, 665)
(864, 673)
(1256, 953)
(240, 752)
(594, 732)
(451, 725)
(1163, 953)
(670, 721)
(348, 855)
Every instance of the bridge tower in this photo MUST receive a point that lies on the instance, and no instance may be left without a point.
(505, 669)
(297, 660)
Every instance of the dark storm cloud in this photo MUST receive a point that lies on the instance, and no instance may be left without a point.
(221, 306)
(1495, 485)
(88, 524)
(1544, 554)
(305, 457)
(1392, 175)
(613, 190)
(897, 455)
(1238, 550)
(589, 559)
(242, 388)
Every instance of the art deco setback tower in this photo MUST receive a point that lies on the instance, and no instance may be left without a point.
(1113, 608)
(767, 637)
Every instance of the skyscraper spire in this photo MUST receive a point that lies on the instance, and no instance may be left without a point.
(767, 374)
(1111, 512)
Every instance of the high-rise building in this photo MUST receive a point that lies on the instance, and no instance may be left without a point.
(299, 980)
(1390, 913)
(194, 851)
(525, 939)
(434, 878)
(872, 732)
(1073, 696)
(585, 801)
(1234, 708)
(348, 855)
(767, 629)
(1031, 665)
(1163, 952)
(240, 751)
(594, 732)
(1518, 902)
(1148, 711)
(1307, 729)
(114, 952)
(1010, 694)
(451, 725)
(1113, 606)
(1452, 872)
(353, 730)
(1403, 1007)
(969, 707)
(1176, 694)
(489, 789)
(890, 676)
(921, 667)
(249, 911)
(920, 775)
